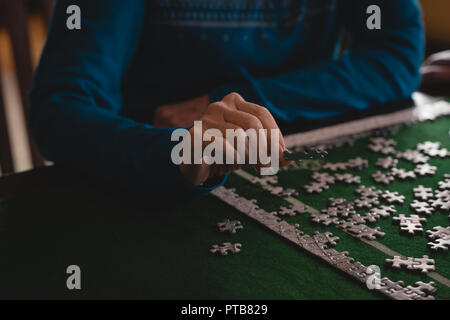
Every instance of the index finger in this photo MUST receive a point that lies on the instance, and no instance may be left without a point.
(264, 115)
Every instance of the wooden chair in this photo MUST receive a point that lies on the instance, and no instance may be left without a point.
(13, 14)
(47, 9)
(6, 160)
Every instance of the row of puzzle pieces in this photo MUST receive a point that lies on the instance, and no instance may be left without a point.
(319, 245)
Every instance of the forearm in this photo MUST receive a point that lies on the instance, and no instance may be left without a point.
(382, 66)
(117, 150)
(76, 100)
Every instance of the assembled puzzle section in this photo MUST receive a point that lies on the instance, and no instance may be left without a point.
(320, 245)
(357, 209)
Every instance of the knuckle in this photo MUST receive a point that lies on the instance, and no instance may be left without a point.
(216, 106)
(262, 112)
(253, 122)
(233, 96)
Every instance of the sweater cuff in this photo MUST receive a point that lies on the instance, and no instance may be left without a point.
(175, 183)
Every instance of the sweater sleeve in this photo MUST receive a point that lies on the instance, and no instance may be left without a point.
(379, 67)
(76, 100)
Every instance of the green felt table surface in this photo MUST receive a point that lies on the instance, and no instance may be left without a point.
(130, 250)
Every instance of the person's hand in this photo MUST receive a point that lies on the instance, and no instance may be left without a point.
(436, 70)
(233, 112)
(181, 114)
